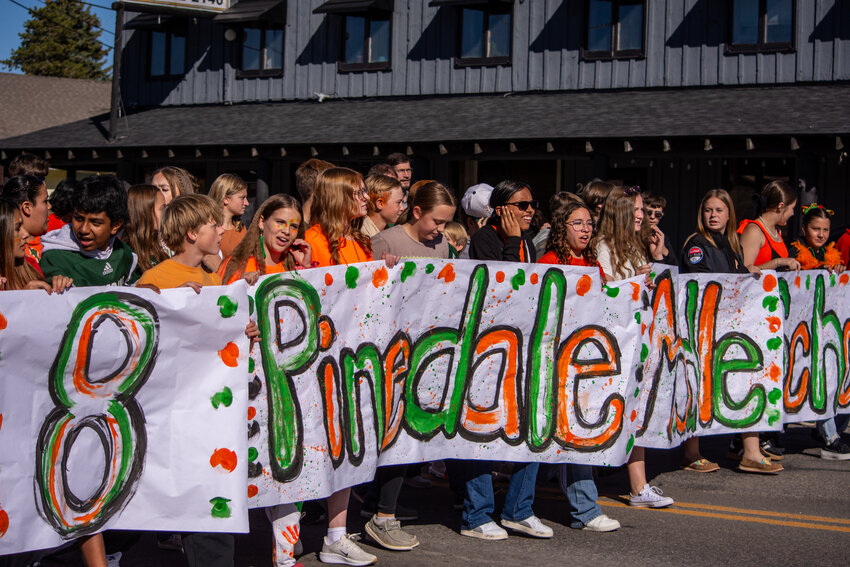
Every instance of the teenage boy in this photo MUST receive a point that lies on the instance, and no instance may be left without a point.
(87, 250)
(191, 227)
(653, 206)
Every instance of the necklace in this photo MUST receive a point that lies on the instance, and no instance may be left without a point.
(773, 235)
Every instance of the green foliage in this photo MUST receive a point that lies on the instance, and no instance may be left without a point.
(61, 40)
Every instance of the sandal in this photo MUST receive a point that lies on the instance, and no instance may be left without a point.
(764, 466)
(700, 465)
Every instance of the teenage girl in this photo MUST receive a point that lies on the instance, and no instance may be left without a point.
(231, 192)
(761, 241)
(339, 197)
(274, 237)
(813, 253)
(174, 181)
(572, 228)
(29, 194)
(145, 204)
(386, 203)
(715, 248)
(594, 194)
(622, 254)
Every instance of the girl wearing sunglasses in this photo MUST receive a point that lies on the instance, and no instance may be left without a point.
(506, 235)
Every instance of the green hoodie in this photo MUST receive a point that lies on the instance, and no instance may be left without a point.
(63, 256)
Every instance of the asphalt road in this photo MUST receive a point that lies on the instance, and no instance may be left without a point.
(800, 517)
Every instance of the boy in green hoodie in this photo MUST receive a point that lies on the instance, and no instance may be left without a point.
(87, 250)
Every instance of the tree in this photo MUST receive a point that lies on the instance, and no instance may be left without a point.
(61, 40)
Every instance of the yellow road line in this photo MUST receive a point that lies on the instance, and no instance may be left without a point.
(813, 526)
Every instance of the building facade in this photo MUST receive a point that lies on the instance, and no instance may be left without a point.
(677, 96)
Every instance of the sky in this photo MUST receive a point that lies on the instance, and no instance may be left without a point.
(12, 18)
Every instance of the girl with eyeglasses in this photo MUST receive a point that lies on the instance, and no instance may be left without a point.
(504, 238)
(813, 253)
(622, 254)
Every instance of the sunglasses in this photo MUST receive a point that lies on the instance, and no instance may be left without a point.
(654, 214)
(523, 205)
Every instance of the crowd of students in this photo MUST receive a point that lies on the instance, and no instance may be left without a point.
(167, 234)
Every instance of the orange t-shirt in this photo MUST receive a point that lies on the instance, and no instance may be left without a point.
(54, 223)
(551, 258)
(771, 249)
(250, 266)
(170, 273)
(843, 245)
(34, 248)
(230, 240)
(350, 251)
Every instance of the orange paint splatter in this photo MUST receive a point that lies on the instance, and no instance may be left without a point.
(230, 355)
(447, 274)
(643, 328)
(225, 458)
(775, 324)
(844, 279)
(252, 490)
(534, 279)
(769, 283)
(500, 277)
(4, 522)
(326, 335)
(634, 415)
(583, 285)
(329, 279)
(775, 372)
(635, 291)
(797, 282)
(379, 277)
(3, 322)
(251, 413)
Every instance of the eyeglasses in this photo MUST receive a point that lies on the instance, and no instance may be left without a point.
(654, 214)
(523, 205)
(578, 225)
(631, 190)
(361, 194)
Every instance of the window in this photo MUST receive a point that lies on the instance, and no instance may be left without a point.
(615, 29)
(262, 52)
(485, 36)
(761, 25)
(167, 53)
(365, 43)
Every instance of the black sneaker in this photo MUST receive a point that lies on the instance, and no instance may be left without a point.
(838, 450)
(770, 450)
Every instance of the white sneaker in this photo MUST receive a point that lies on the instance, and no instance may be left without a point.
(650, 497)
(602, 523)
(345, 552)
(490, 531)
(113, 559)
(530, 526)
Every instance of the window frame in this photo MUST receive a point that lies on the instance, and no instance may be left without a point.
(502, 61)
(254, 73)
(345, 67)
(169, 31)
(760, 46)
(613, 53)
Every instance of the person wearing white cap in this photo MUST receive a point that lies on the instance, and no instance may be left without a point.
(477, 209)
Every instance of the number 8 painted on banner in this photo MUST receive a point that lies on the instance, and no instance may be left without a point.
(104, 405)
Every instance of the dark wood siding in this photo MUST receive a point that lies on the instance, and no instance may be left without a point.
(685, 47)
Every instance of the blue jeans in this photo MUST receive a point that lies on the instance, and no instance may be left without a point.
(578, 486)
(478, 501)
(829, 429)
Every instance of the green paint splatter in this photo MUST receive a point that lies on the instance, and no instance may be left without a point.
(630, 444)
(808, 282)
(770, 302)
(637, 392)
(223, 398)
(250, 365)
(644, 353)
(220, 508)
(228, 306)
(831, 280)
(774, 395)
(352, 274)
(612, 291)
(408, 270)
(772, 416)
(518, 279)
(652, 276)
(774, 343)
(250, 305)
(253, 454)
(637, 317)
(429, 268)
